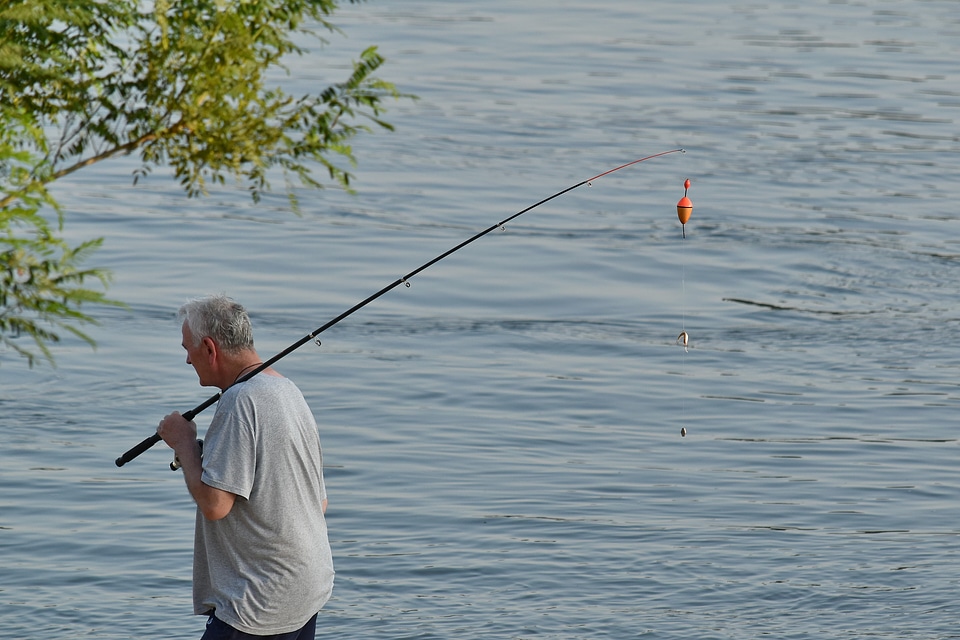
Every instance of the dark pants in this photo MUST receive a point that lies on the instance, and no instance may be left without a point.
(219, 630)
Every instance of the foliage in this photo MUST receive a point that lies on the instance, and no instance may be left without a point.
(180, 83)
(39, 275)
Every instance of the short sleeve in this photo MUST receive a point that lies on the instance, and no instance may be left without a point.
(230, 447)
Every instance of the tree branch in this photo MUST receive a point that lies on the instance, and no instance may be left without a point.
(124, 148)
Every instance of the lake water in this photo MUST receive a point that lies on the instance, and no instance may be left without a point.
(503, 437)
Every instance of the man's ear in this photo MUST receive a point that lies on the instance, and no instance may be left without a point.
(209, 347)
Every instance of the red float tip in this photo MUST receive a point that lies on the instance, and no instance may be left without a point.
(686, 183)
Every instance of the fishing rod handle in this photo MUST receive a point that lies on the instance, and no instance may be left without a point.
(146, 443)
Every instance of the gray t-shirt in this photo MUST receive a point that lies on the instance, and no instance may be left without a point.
(266, 568)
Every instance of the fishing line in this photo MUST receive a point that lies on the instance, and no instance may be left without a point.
(146, 443)
(684, 209)
(683, 326)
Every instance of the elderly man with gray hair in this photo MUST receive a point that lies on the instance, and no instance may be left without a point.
(262, 562)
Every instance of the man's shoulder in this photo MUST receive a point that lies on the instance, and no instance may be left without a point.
(261, 383)
(264, 389)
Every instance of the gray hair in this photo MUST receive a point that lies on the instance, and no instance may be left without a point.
(220, 318)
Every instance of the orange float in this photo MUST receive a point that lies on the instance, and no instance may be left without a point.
(684, 208)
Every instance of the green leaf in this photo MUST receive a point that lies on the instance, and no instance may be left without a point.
(180, 83)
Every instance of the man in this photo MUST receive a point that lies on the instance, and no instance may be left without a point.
(262, 562)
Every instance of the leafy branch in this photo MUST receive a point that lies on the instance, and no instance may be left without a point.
(180, 83)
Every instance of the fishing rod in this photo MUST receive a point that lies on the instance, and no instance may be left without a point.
(146, 443)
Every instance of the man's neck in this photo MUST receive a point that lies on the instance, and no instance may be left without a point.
(238, 366)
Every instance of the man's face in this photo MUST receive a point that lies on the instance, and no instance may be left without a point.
(198, 355)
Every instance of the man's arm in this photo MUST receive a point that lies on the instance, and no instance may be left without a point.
(181, 436)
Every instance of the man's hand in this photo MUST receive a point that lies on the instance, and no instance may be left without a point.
(177, 432)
